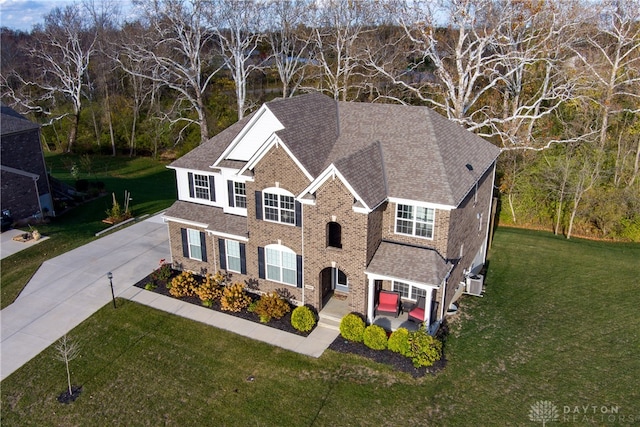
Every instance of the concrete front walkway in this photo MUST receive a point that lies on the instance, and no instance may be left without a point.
(68, 289)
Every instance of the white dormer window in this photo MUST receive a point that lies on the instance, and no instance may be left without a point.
(201, 186)
(415, 221)
(240, 194)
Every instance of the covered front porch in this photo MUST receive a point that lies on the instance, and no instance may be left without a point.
(415, 278)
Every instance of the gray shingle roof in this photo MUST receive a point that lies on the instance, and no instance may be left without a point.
(311, 128)
(215, 218)
(383, 150)
(204, 155)
(409, 263)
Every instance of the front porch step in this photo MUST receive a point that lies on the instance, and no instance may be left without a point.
(329, 322)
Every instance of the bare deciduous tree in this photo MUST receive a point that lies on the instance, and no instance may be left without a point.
(174, 49)
(62, 51)
(289, 41)
(66, 351)
(237, 26)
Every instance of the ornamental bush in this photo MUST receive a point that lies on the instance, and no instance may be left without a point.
(352, 327)
(211, 289)
(303, 319)
(271, 306)
(375, 337)
(399, 341)
(424, 350)
(234, 298)
(183, 285)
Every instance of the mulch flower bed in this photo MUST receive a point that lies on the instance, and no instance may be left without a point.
(283, 324)
(387, 357)
(341, 345)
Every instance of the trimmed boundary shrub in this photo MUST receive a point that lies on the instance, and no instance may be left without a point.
(352, 327)
(234, 298)
(424, 350)
(375, 337)
(183, 285)
(399, 341)
(271, 306)
(303, 319)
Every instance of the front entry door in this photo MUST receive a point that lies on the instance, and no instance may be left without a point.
(326, 284)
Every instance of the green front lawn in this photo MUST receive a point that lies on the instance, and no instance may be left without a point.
(558, 323)
(152, 187)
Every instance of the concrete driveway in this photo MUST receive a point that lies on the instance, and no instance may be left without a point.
(68, 289)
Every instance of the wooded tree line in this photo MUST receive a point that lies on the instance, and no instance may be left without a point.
(555, 84)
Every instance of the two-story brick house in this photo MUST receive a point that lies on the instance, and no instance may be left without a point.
(319, 197)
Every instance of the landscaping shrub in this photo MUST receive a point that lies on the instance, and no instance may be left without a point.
(271, 306)
(375, 337)
(183, 285)
(352, 327)
(424, 350)
(82, 185)
(211, 289)
(303, 319)
(399, 341)
(162, 273)
(234, 298)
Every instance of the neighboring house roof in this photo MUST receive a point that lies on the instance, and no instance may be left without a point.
(213, 219)
(382, 150)
(419, 265)
(12, 122)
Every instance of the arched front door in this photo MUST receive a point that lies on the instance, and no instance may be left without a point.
(332, 279)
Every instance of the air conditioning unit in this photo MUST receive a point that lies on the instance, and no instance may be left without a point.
(474, 284)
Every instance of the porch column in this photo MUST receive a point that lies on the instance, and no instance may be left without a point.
(370, 300)
(427, 307)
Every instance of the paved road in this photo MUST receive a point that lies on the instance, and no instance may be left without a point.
(68, 289)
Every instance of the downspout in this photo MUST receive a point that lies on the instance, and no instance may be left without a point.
(35, 182)
(444, 291)
(304, 261)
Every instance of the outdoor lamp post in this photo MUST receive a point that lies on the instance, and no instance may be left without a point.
(113, 297)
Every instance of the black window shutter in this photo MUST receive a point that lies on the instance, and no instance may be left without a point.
(212, 188)
(203, 246)
(299, 268)
(261, 273)
(298, 206)
(223, 254)
(258, 204)
(232, 199)
(243, 259)
(185, 243)
(192, 193)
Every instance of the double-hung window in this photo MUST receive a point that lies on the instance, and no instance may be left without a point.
(193, 244)
(415, 220)
(234, 261)
(195, 250)
(240, 194)
(281, 265)
(279, 208)
(201, 186)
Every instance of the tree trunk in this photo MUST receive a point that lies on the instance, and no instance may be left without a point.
(73, 132)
